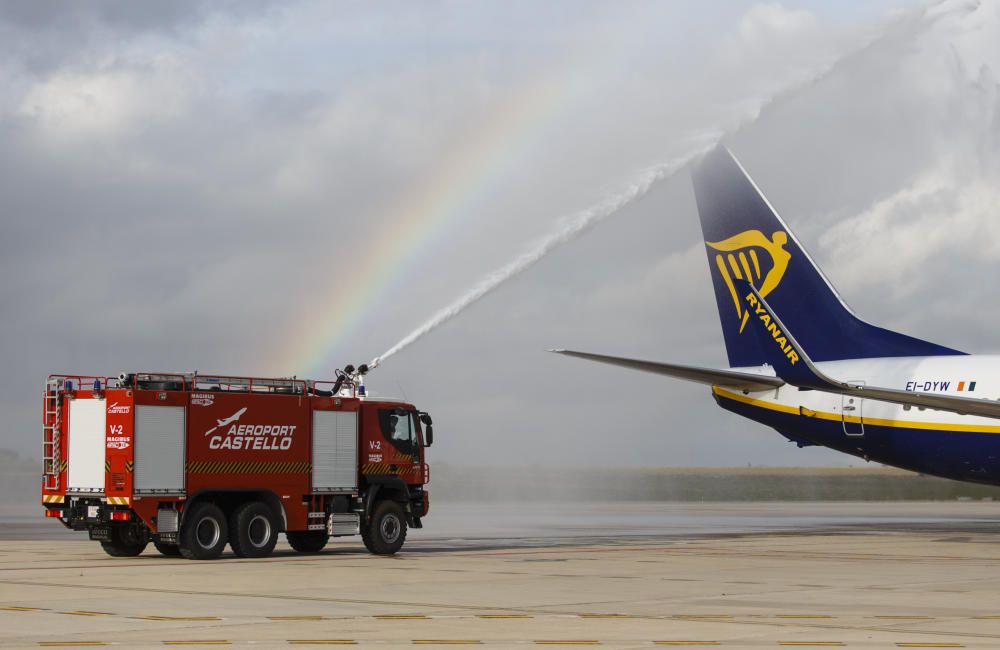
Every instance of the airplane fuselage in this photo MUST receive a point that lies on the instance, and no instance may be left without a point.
(929, 441)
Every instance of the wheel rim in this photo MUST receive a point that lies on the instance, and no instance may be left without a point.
(259, 531)
(390, 528)
(208, 532)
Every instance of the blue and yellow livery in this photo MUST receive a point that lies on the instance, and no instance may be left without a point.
(804, 364)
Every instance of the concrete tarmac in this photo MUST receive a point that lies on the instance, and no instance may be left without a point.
(859, 575)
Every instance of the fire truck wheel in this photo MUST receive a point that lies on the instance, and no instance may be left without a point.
(170, 550)
(126, 541)
(204, 533)
(386, 531)
(253, 531)
(307, 541)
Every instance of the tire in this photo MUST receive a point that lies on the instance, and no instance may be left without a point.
(253, 530)
(307, 541)
(170, 550)
(385, 532)
(204, 532)
(126, 541)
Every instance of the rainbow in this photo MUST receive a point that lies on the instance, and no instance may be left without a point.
(420, 217)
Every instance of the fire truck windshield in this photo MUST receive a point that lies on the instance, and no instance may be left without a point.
(397, 427)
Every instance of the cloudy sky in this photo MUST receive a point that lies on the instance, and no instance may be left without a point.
(283, 188)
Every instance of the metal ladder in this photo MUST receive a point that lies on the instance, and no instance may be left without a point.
(51, 425)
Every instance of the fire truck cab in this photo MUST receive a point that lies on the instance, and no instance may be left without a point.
(194, 462)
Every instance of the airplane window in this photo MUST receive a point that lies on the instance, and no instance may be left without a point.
(906, 407)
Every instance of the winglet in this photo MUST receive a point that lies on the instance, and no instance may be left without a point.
(749, 381)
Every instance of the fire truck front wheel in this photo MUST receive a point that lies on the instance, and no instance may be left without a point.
(253, 531)
(385, 531)
(204, 533)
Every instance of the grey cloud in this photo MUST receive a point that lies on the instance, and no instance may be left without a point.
(215, 216)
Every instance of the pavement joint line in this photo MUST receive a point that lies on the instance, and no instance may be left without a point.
(567, 642)
(803, 616)
(177, 618)
(498, 616)
(447, 642)
(200, 642)
(905, 618)
(318, 617)
(929, 645)
(686, 643)
(401, 617)
(604, 615)
(834, 644)
(322, 642)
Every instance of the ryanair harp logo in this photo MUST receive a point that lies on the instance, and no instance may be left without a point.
(739, 257)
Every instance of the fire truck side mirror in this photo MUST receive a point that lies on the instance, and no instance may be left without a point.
(428, 430)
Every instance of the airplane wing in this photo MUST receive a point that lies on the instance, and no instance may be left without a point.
(730, 378)
(799, 370)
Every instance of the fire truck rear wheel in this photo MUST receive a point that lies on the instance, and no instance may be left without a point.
(307, 541)
(204, 532)
(126, 541)
(253, 531)
(386, 530)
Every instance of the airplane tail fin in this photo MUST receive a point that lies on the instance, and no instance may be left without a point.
(745, 239)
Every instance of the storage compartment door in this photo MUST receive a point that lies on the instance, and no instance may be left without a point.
(159, 449)
(87, 442)
(334, 451)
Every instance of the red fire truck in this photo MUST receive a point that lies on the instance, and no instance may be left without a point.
(193, 462)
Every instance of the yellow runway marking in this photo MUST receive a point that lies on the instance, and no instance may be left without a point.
(199, 642)
(834, 644)
(322, 642)
(802, 616)
(69, 644)
(401, 617)
(504, 616)
(19, 609)
(84, 613)
(297, 618)
(700, 616)
(929, 645)
(686, 642)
